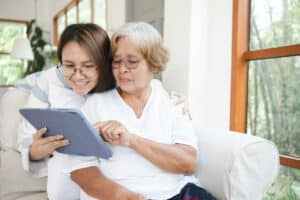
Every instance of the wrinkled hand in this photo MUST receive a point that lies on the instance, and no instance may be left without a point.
(42, 147)
(181, 99)
(114, 132)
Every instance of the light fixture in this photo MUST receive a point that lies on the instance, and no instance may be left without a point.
(22, 49)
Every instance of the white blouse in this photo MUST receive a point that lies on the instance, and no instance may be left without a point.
(159, 122)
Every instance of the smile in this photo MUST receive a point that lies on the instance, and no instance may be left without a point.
(81, 83)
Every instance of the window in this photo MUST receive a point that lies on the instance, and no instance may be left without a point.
(265, 87)
(80, 11)
(11, 70)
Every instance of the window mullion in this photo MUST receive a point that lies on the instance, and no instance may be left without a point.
(239, 72)
(290, 161)
(292, 50)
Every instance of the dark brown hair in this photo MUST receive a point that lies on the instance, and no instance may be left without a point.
(96, 42)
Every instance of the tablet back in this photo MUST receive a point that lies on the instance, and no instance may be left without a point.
(84, 139)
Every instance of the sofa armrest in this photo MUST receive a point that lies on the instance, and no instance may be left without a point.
(236, 166)
(15, 182)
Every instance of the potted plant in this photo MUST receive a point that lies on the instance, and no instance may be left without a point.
(35, 36)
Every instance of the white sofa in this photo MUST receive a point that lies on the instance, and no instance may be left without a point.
(231, 166)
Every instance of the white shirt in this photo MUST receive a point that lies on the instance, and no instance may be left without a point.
(159, 122)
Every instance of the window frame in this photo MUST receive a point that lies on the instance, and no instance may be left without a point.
(64, 11)
(26, 23)
(241, 55)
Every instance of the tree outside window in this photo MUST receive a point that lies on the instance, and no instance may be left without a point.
(266, 82)
(11, 70)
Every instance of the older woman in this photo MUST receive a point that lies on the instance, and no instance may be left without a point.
(154, 147)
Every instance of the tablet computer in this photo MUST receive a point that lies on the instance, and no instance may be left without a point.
(84, 138)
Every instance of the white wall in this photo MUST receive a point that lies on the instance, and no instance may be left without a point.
(16, 9)
(198, 33)
(218, 70)
(116, 14)
(177, 38)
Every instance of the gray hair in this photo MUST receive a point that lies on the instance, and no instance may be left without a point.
(147, 40)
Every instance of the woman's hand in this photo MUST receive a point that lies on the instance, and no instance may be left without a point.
(114, 132)
(42, 147)
(181, 99)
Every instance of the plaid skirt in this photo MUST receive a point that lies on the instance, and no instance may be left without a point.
(193, 192)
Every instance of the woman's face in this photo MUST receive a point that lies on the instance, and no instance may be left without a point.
(130, 69)
(79, 69)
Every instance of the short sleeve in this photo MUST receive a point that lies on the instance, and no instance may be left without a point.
(37, 84)
(182, 129)
(79, 162)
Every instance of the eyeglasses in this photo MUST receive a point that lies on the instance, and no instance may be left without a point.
(85, 70)
(129, 63)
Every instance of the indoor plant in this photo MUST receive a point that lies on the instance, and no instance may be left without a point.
(35, 36)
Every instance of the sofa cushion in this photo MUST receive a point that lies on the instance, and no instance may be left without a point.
(10, 117)
(25, 196)
(15, 182)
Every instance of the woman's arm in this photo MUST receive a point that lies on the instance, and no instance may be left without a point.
(177, 158)
(95, 184)
(34, 148)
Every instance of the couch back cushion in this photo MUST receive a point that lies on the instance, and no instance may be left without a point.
(10, 103)
(16, 182)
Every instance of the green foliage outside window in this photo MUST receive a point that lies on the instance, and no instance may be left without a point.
(285, 188)
(274, 88)
(11, 70)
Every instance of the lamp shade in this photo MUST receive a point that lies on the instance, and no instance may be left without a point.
(22, 49)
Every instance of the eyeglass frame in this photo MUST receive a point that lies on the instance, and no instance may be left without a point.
(61, 68)
(126, 63)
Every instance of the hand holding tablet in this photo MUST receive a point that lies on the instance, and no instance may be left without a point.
(84, 138)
